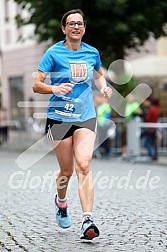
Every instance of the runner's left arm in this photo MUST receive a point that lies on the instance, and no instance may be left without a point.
(101, 84)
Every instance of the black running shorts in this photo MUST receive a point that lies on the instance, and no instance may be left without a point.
(58, 130)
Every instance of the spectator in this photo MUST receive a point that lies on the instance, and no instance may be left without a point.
(150, 135)
(132, 108)
(145, 107)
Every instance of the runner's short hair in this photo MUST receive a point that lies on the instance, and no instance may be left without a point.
(74, 11)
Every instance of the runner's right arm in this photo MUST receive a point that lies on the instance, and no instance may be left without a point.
(39, 86)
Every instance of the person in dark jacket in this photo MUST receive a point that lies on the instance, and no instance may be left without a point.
(152, 116)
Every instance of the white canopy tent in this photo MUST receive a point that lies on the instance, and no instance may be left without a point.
(150, 66)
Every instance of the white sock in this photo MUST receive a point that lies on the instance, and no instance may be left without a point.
(61, 200)
(85, 214)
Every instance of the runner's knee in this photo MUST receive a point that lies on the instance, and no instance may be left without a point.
(83, 167)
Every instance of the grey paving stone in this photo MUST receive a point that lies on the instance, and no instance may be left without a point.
(129, 218)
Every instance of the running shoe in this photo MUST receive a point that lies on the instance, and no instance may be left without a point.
(62, 216)
(89, 229)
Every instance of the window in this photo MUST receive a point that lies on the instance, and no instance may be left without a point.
(16, 95)
(6, 10)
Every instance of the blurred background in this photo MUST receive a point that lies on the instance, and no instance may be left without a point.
(133, 31)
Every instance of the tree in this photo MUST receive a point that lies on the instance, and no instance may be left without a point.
(112, 25)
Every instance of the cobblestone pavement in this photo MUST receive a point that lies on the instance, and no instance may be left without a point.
(130, 207)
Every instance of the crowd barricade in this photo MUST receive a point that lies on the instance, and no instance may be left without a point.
(117, 139)
(161, 132)
(129, 134)
(135, 144)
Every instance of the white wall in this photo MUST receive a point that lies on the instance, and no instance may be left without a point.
(18, 59)
(9, 33)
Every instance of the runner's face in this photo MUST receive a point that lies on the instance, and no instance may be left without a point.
(76, 31)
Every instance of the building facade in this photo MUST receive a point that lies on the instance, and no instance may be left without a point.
(19, 57)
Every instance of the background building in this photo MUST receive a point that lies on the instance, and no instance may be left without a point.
(150, 66)
(19, 57)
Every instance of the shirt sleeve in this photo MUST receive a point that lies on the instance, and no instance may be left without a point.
(46, 64)
(98, 62)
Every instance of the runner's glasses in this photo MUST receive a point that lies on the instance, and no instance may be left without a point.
(72, 24)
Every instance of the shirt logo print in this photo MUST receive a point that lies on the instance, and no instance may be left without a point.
(79, 72)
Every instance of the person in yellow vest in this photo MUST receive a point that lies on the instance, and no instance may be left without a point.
(132, 108)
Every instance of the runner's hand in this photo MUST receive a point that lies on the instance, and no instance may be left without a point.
(106, 92)
(63, 89)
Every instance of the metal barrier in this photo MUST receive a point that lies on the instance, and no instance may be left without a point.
(118, 140)
(128, 133)
(161, 134)
(135, 145)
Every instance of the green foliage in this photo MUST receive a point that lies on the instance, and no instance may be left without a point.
(112, 25)
(125, 89)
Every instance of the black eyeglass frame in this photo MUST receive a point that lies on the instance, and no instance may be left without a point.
(79, 23)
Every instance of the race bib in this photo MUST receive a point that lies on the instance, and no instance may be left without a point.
(68, 107)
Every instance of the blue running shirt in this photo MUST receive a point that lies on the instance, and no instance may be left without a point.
(76, 67)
